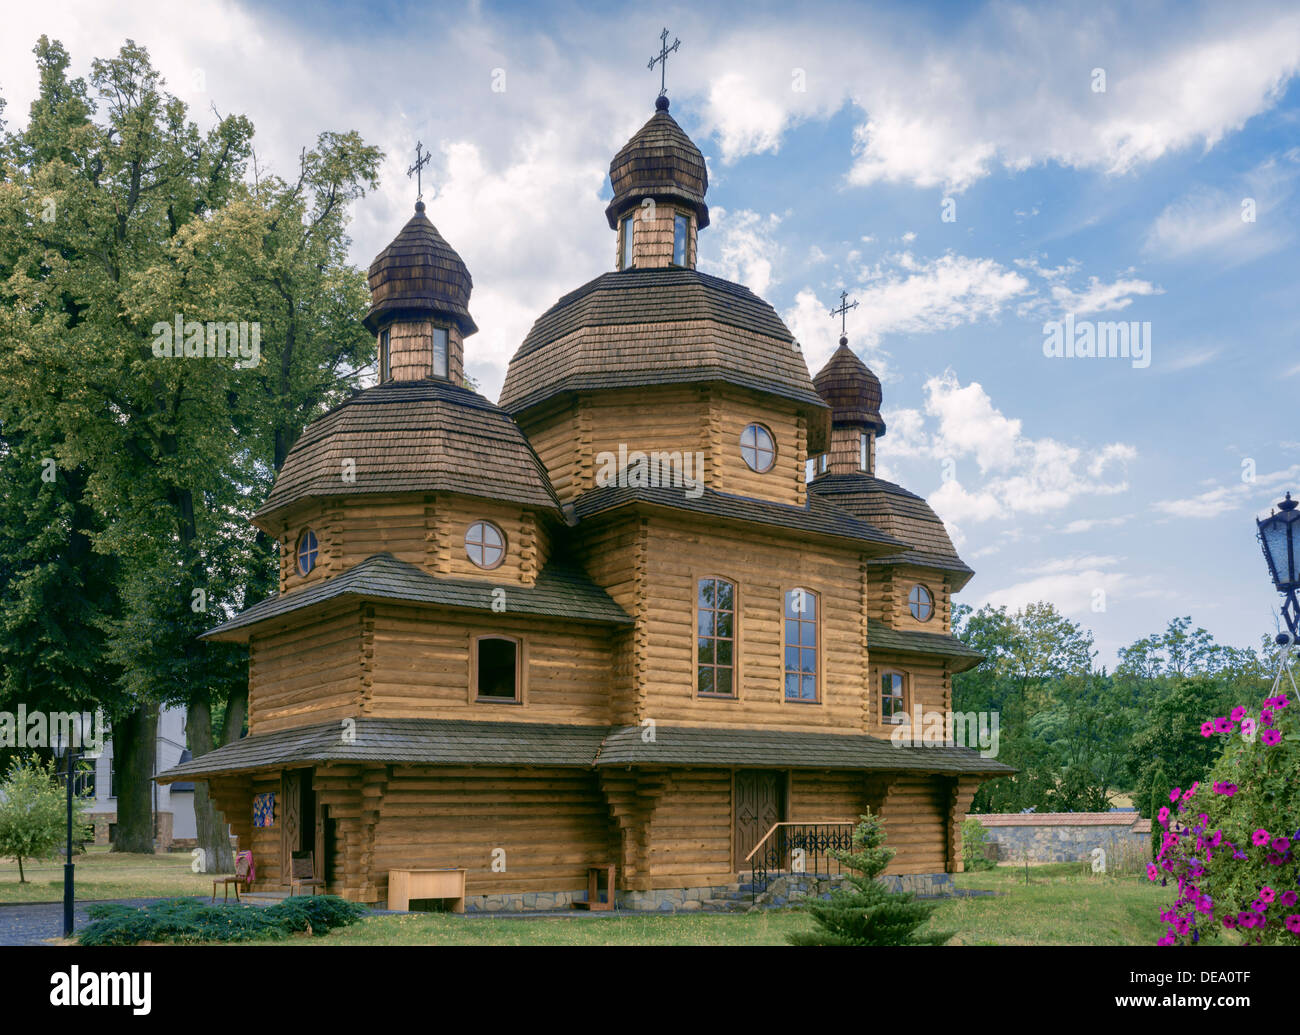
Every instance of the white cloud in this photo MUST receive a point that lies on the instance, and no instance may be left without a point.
(1234, 496)
(746, 248)
(1088, 524)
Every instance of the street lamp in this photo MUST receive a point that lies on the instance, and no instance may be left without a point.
(1279, 536)
(76, 736)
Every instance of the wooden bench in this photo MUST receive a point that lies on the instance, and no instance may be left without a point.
(405, 885)
(593, 889)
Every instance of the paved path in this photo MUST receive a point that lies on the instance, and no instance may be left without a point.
(35, 923)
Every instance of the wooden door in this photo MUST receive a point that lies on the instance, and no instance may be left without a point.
(759, 804)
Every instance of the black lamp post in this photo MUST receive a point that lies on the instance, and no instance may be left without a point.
(1279, 535)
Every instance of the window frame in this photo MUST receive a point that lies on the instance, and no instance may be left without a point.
(314, 552)
(864, 452)
(521, 669)
(770, 437)
(680, 219)
(736, 652)
(385, 356)
(482, 544)
(446, 353)
(819, 655)
(933, 604)
(904, 696)
(629, 239)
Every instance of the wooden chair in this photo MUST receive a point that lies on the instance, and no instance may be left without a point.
(302, 873)
(243, 866)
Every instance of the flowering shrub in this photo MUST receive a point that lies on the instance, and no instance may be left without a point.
(1232, 844)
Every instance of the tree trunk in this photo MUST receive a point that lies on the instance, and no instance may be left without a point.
(210, 825)
(134, 747)
(21, 878)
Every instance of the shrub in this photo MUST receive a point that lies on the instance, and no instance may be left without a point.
(34, 812)
(870, 914)
(972, 846)
(1231, 842)
(187, 920)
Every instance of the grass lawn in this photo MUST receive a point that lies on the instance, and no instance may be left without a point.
(104, 874)
(1064, 904)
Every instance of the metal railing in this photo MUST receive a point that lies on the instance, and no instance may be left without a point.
(800, 848)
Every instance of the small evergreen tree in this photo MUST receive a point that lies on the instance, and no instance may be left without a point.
(33, 812)
(870, 914)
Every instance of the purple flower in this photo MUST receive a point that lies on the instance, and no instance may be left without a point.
(1238, 713)
(1229, 921)
(1163, 816)
(1281, 844)
(1293, 923)
(1270, 737)
(1266, 894)
(1260, 837)
(1220, 725)
(1275, 859)
(1288, 898)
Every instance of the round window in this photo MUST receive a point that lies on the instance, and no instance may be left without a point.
(758, 448)
(308, 548)
(485, 544)
(920, 603)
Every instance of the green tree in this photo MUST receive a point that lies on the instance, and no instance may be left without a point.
(34, 812)
(870, 914)
(1157, 799)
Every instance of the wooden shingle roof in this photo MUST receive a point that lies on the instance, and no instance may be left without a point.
(660, 326)
(902, 514)
(882, 637)
(414, 436)
(659, 161)
(419, 273)
(817, 517)
(850, 389)
(470, 742)
(561, 591)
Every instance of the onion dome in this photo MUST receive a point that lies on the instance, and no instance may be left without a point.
(851, 390)
(413, 436)
(660, 162)
(419, 275)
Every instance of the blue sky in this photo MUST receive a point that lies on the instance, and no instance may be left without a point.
(1089, 482)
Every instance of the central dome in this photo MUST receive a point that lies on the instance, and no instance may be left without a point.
(419, 273)
(660, 161)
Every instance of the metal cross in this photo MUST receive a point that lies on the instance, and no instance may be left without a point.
(843, 312)
(420, 163)
(662, 59)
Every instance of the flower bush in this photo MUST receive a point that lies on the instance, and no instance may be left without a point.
(1232, 844)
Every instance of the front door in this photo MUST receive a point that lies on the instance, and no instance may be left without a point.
(760, 804)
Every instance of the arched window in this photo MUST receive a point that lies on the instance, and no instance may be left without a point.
(801, 645)
(497, 668)
(485, 544)
(308, 548)
(893, 698)
(715, 626)
(758, 448)
(920, 602)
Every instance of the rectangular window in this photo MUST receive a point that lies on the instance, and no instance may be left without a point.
(681, 226)
(383, 356)
(440, 352)
(800, 645)
(863, 448)
(716, 638)
(627, 242)
(892, 705)
(497, 669)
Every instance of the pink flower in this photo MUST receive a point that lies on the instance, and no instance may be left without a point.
(1281, 844)
(1238, 713)
(1260, 837)
(1266, 717)
(1229, 921)
(1259, 906)
(1288, 898)
(1270, 737)
(1207, 729)
(1216, 838)
(1293, 923)
(1220, 725)
(1152, 872)
(1247, 727)
(1174, 794)
(1163, 816)
(1266, 894)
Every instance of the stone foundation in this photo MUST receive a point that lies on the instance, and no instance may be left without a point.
(163, 840)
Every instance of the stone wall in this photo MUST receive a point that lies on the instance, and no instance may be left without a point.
(1066, 836)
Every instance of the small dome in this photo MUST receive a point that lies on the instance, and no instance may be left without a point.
(850, 389)
(419, 274)
(660, 161)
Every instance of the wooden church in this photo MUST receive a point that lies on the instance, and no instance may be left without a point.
(488, 655)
